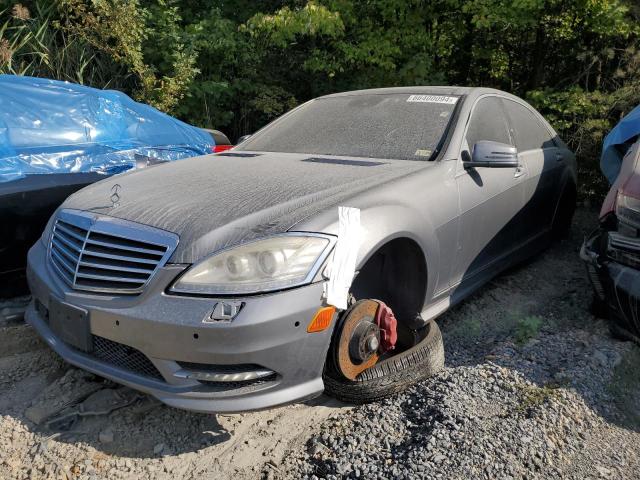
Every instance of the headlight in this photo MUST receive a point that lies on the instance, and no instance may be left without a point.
(628, 210)
(274, 263)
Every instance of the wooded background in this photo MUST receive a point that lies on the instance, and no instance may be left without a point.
(235, 65)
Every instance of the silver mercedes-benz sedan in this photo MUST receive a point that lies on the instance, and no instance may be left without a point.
(312, 257)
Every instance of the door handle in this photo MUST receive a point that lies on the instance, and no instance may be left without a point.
(559, 157)
(519, 171)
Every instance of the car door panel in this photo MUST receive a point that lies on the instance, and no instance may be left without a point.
(491, 199)
(541, 189)
(543, 161)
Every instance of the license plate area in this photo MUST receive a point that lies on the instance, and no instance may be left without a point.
(70, 324)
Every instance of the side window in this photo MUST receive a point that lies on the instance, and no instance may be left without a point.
(526, 129)
(488, 122)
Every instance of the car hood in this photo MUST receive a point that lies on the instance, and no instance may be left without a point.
(212, 202)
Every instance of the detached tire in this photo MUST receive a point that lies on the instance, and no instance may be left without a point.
(390, 375)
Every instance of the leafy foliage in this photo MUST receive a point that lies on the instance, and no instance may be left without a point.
(237, 65)
(527, 328)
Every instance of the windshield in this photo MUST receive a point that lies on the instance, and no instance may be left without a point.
(394, 126)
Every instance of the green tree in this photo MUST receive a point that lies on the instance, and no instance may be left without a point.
(237, 65)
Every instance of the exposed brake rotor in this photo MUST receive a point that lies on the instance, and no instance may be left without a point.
(367, 331)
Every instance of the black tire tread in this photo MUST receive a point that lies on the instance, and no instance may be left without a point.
(391, 375)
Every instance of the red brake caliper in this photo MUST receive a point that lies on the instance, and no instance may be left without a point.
(386, 321)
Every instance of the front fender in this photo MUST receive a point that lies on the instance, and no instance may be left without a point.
(423, 207)
(384, 223)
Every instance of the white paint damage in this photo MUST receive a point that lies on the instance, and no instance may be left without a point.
(342, 266)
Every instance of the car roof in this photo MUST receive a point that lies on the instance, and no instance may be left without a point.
(419, 90)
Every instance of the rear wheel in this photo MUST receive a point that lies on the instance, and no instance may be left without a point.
(564, 213)
(356, 373)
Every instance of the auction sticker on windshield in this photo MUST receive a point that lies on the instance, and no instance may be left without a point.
(432, 99)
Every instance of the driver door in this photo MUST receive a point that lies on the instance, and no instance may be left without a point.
(491, 199)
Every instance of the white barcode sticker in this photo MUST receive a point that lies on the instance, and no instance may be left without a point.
(432, 99)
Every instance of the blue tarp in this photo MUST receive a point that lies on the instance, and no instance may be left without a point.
(623, 133)
(48, 126)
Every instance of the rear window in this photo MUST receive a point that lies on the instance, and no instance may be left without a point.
(526, 128)
(394, 126)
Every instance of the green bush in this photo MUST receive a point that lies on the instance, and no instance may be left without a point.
(527, 328)
(237, 65)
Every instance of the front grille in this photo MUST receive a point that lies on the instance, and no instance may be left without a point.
(103, 254)
(124, 357)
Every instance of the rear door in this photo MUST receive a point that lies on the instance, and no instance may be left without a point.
(544, 163)
(490, 198)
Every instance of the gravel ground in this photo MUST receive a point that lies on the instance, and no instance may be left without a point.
(534, 388)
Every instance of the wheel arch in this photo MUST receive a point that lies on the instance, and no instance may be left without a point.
(395, 220)
(396, 272)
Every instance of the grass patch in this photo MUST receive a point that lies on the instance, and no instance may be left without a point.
(468, 328)
(534, 396)
(527, 328)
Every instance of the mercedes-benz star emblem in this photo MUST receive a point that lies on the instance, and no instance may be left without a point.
(115, 196)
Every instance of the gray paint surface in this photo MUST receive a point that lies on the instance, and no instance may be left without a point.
(470, 223)
(215, 201)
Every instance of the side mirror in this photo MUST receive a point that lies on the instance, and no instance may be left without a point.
(242, 139)
(143, 161)
(493, 155)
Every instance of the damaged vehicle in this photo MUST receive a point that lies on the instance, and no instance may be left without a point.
(312, 257)
(57, 137)
(612, 252)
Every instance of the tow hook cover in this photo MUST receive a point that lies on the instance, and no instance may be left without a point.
(224, 312)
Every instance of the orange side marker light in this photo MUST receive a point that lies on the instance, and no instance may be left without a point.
(321, 320)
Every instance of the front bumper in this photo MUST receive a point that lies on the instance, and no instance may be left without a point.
(616, 284)
(147, 341)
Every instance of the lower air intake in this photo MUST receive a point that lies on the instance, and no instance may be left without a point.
(124, 357)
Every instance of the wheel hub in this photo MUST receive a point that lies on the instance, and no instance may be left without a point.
(354, 354)
(364, 340)
(367, 331)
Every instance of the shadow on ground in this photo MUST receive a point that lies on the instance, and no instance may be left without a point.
(74, 406)
(533, 320)
(536, 319)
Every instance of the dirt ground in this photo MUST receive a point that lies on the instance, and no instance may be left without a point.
(59, 422)
(140, 438)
